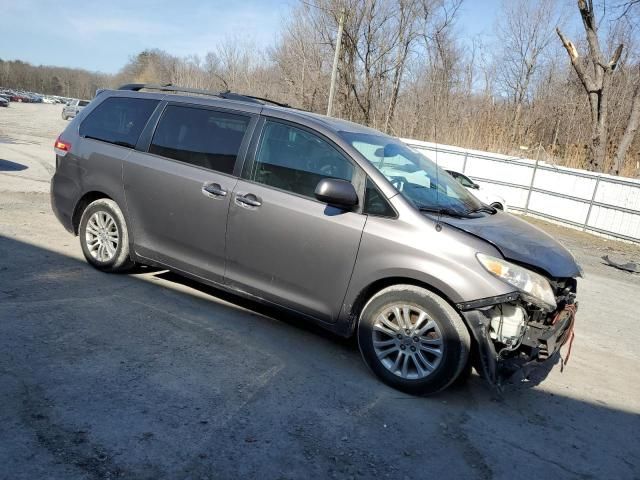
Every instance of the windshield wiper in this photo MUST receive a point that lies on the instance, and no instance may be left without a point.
(483, 208)
(442, 211)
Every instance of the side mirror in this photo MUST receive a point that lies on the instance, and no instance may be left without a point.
(476, 186)
(337, 193)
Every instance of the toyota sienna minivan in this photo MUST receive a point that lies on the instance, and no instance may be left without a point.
(339, 223)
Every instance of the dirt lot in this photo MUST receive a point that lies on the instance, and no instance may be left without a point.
(149, 376)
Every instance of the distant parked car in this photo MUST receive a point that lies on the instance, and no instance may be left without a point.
(20, 97)
(48, 100)
(482, 194)
(4, 102)
(73, 108)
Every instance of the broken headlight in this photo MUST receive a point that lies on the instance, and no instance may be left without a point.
(533, 287)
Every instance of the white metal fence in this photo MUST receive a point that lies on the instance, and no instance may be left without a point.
(599, 203)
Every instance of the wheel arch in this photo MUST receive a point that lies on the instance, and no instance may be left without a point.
(82, 204)
(378, 285)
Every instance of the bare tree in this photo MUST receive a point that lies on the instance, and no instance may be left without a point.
(525, 31)
(301, 59)
(630, 132)
(443, 56)
(596, 80)
(407, 34)
(628, 8)
(52, 80)
(371, 37)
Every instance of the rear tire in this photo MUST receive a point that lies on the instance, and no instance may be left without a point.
(104, 236)
(413, 340)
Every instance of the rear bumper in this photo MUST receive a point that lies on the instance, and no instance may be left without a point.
(63, 194)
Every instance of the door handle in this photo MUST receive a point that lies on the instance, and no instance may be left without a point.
(213, 190)
(248, 199)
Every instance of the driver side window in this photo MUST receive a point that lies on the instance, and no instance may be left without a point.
(295, 160)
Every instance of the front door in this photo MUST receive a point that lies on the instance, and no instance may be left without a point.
(282, 244)
(178, 193)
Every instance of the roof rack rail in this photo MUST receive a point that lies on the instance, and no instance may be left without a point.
(239, 96)
(226, 94)
(167, 87)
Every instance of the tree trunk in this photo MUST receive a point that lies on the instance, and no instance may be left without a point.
(556, 131)
(598, 147)
(629, 133)
(397, 78)
(520, 98)
(515, 130)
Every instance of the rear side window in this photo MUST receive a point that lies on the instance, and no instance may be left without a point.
(118, 120)
(202, 137)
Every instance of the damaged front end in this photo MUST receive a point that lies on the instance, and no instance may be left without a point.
(517, 337)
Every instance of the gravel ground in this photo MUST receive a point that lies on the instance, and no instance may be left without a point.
(149, 375)
(27, 133)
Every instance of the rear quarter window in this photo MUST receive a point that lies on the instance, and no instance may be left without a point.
(118, 120)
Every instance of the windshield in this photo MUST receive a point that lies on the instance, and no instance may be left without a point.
(416, 177)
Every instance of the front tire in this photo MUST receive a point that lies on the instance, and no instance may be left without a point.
(413, 340)
(104, 236)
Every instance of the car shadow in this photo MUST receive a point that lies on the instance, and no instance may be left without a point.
(151, 375)
(8, 166)
(265, 309)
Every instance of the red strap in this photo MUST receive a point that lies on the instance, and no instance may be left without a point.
(571, 333)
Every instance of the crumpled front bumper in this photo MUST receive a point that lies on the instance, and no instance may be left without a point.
(538, 352)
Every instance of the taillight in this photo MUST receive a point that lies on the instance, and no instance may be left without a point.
(61, 147)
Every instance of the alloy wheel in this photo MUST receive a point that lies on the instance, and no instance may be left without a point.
(102, 236)
(407, 341)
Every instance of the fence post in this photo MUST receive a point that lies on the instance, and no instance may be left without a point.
(533, 179)
(464, 163)
(593, 198)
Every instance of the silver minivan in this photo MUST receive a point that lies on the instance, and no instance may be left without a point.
(339, 223)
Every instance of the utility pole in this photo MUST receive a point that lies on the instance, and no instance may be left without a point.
(334, 70)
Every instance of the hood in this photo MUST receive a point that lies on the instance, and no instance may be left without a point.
(520, 242)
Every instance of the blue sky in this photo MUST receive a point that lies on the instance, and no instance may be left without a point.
(102, 35)
(478, 17)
